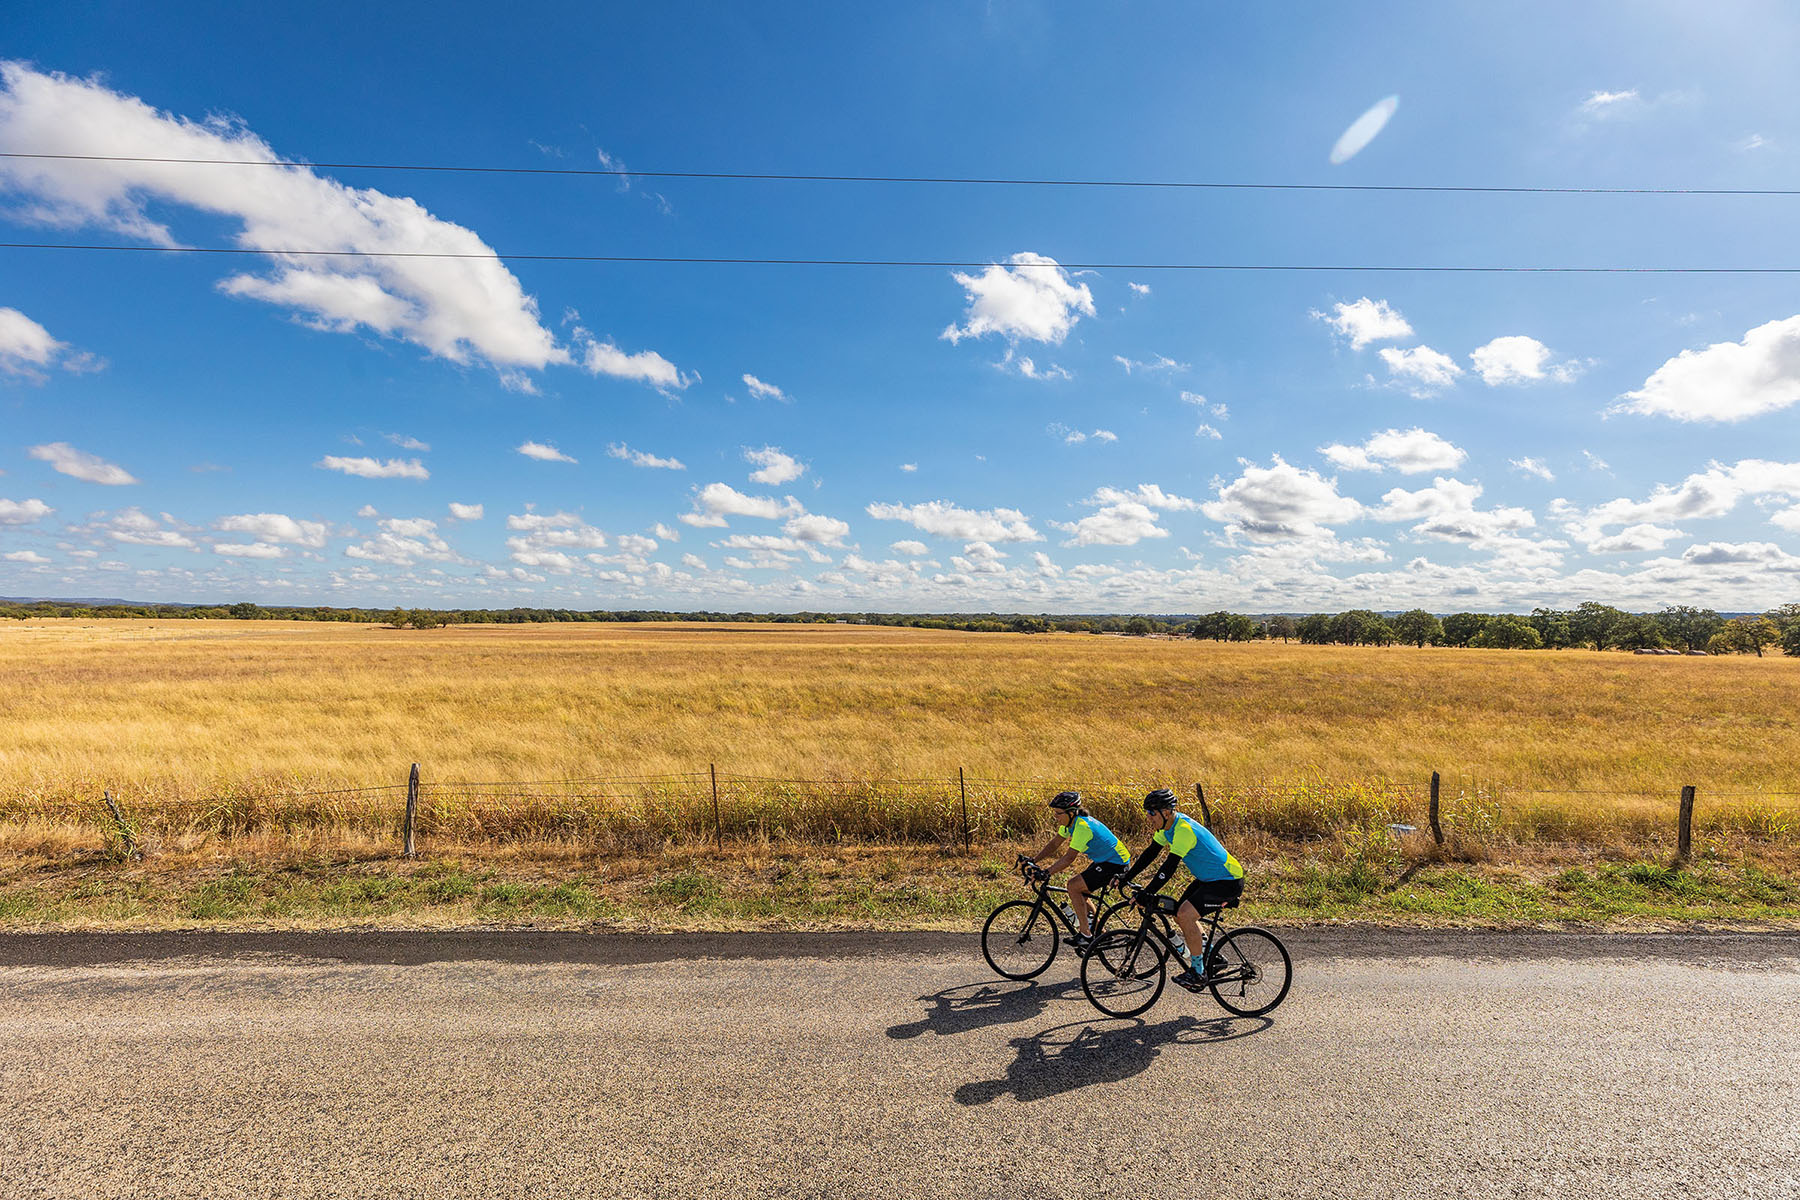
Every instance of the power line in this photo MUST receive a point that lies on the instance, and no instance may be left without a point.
(959, 264)
(959, 180)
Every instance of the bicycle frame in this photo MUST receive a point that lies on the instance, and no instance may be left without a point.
(1156, 922)
(1043, 888)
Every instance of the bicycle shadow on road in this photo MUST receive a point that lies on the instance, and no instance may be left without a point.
(1052, 1062)
(978, 1005)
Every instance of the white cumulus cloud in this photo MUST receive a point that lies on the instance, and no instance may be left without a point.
(465, 308)
(1408, 451)
(23, 512)
(27, 350)
(773, 467)
(1033, 299)
(717, 501)
(940, 518)
(1520, 359)
(1281, 502)
(1727, 381)
(1421, 369)
(467, 512)
(1363, 321)
(25, 556)
(276, 527)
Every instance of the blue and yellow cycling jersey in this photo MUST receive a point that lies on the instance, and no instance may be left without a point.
(1090, 837)
(1202, 853)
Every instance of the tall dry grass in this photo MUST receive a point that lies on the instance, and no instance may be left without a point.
(217, 726)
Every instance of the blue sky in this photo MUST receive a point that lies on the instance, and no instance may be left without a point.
(1024, 435)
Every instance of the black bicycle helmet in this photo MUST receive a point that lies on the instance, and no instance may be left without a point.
(1158, 800)
(1066, 801)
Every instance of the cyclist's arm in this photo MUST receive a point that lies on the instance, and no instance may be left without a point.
(1049, 849)
(1068, 857)
(1139, 862)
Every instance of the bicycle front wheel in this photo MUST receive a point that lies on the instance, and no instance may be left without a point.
(1124, 972)
(1019, 940)
(1250, 972)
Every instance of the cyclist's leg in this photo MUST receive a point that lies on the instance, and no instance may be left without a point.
(1202, 895)
(1092, 880)
(1078, 900)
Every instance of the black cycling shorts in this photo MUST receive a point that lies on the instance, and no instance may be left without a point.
(1211, 893)
(1098, 875)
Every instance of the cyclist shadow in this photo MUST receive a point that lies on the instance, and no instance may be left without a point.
(1050, 1063)
(979, 1005)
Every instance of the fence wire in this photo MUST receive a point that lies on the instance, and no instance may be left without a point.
(696, 807)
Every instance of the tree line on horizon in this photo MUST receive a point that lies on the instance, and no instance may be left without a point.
(1591, 626)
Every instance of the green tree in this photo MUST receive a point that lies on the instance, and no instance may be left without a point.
(1418, 628)
(243, 610)
(1239, 628)
(1744, 635)
(1790, 639)
(1689, 627)
(1461, 628)
(1140, 627)
(1636, 632)
(1314, 630)
(1282, 627)
(1555, 627)
(1508, 631)
(1360, 627)
(1592, 624)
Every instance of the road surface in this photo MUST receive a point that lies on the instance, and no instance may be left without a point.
(847, 1065)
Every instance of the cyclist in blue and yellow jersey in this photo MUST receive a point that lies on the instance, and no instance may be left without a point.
(1218, 876)
(1082, 834)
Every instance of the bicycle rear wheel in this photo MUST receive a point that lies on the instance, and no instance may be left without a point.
(1019, 941)
(1124, 972)
(1249, 972)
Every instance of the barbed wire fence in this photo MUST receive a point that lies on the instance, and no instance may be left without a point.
(963, 813)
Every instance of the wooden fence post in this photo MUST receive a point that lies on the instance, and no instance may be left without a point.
(718, 828)
(962, 785)
(412, 808)
(1437, 830)
(1205, 813)
(122, 827)
(1684, 836)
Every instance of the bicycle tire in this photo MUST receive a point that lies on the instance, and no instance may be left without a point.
(1010, 927)
(1259, 953)
(1117, 985)
(1103, 915)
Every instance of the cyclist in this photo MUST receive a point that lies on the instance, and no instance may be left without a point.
(1218, 876)
(1082, 834)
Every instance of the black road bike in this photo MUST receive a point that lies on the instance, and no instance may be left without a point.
(1021, 937)
(1247, 970)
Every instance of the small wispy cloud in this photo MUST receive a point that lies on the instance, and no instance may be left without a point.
(639, 458)
(1533, 466)
(65, 459)
(374, 468)
(543, 452)
(408, 443)
(1160, 362)
(759, 390)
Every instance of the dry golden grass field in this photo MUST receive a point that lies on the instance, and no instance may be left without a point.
(208, 733)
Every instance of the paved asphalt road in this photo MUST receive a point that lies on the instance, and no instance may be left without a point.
(855, 1065)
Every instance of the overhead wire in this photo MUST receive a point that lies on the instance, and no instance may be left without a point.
(950, 180)
(942, 263)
